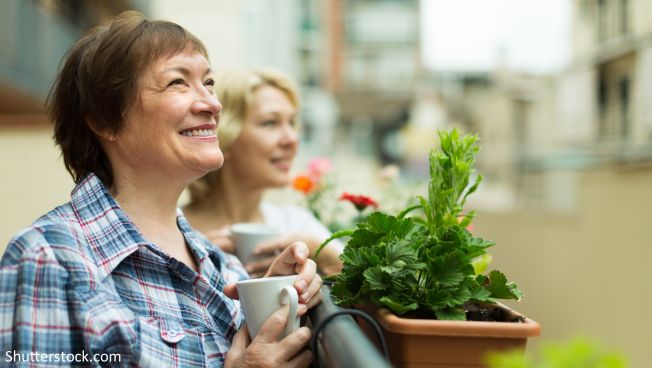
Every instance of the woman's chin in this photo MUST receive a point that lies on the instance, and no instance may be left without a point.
(279, 182)
(208, 166)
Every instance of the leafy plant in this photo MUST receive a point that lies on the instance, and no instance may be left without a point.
(424, 265)
(577, 353)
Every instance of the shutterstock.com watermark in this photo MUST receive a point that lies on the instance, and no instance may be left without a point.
(15, 358)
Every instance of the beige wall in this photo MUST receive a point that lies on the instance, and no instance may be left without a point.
(33, 179)
(588, 271)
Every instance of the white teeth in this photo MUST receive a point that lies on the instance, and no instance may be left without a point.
(198, 133)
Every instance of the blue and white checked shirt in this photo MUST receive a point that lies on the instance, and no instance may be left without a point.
(83, 278)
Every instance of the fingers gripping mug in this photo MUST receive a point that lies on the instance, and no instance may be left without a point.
(260, 298)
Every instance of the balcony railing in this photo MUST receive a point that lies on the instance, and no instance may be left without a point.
(341, 342)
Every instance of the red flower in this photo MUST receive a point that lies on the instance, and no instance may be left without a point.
(303, 183)
(359, 201)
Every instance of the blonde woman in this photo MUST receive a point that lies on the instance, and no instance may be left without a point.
(259, 137)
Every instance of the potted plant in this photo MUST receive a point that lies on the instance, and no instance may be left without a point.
(425, 274)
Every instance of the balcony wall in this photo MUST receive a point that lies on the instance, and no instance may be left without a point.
(586, 270)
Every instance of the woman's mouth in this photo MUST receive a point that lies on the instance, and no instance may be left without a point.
(198, 133)
(282, 163)
(201, 132)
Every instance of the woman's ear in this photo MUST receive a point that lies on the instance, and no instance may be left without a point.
(102, 133)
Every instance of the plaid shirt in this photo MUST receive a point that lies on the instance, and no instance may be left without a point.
(83, 279)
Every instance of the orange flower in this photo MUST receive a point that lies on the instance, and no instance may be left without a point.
(303, 183)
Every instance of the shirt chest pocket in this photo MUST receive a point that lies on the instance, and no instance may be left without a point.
(164, 343)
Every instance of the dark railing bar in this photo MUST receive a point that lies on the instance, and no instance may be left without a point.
(343, 344)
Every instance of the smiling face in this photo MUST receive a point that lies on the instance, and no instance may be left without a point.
(169, 133)
(262, 154)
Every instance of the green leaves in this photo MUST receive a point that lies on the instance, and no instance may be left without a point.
(500, 288)
(377, 278)
(451, 169)
(453, 314)
(481, 263)
(449, 269)
(576, 352)
(447, 297)
(397, 306)
(429, 265)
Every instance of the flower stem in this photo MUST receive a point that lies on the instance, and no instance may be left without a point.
(336, 235)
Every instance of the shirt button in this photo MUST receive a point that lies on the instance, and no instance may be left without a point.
(171, 331)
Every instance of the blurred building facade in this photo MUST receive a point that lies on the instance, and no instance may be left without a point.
(601, 118)
(604, 93)
(373, 65)
(538, 130)
(512, 112)
(240, 34)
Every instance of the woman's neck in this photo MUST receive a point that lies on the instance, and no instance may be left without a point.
(230, 202)
(151, 206)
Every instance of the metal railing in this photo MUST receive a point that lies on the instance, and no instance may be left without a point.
(342, 343)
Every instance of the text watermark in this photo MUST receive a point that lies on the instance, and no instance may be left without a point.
(81, 357)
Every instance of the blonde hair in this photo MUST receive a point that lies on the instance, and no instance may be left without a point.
(235, 90)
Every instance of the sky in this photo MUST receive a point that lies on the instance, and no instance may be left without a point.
(473, 35)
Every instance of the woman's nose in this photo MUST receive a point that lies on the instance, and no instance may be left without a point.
(206, 102)
(290, 135)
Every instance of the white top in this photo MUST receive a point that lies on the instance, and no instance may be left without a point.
(294, 219)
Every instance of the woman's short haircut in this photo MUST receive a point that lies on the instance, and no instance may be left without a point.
(98, 84)
(235, 90)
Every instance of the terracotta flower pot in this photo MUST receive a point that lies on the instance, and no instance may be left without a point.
(434, 343)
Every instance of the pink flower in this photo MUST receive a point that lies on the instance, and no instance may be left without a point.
(319, 166)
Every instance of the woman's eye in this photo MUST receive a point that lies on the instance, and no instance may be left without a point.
(268, 123)
(176, 82)
(209, 82)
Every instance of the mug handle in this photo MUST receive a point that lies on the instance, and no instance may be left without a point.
(293, 300)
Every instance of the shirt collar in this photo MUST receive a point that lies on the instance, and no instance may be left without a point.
(111, 235)
(192, 238)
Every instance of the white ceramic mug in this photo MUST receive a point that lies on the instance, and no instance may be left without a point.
(248, 235)
(260, 298)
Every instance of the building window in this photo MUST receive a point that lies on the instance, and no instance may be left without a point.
(624, 16)
(623, 92)
(602, 106)
(602, 20)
